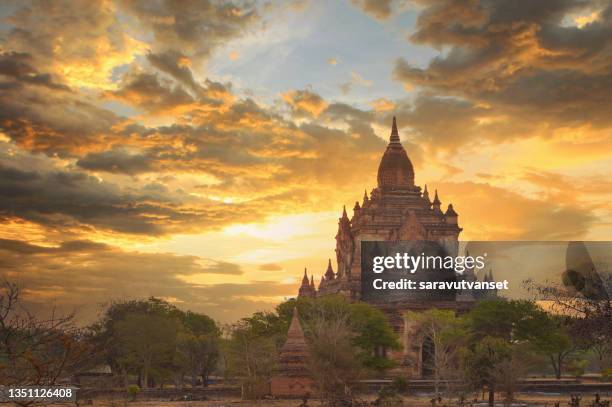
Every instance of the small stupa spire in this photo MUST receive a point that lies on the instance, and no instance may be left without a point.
(436, 200)
(426, 194)
(329, 273)
(451, 211)
(312, 281)
(436, 203)
(394, 133)
(305, 278)
(294, 353)
(344, 215)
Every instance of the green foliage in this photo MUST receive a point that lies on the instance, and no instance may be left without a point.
(509, 320)
(332, 363)
(156, 341)
(372, 333)
(147, 341)
(447, 333)
(197, 354)
(132, 391)
(368, 326)
(199, 324)
(400, 384)
(251, 352)
(482, 362)
(389, 400)
(577, 367)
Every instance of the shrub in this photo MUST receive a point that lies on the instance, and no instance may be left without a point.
(400, 384)
(132, 391)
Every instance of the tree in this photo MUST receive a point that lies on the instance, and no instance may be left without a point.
(497, 327)
(252, 351)
(371, 334)
(447, 333)
(583, 294)
(550, 335)
(155, 340)
(37, 351)
(502, 319)
(333, 364)
(198, 346)
(484, 362)
(105, 334)
(148, 343)
(197, 354)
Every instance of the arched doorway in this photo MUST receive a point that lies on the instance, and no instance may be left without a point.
(428, 354)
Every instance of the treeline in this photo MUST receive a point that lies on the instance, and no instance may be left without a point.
(153, 343)
(157, 343)
(499, 342)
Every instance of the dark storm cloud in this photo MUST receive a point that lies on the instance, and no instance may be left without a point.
(52, 121)
(73, 199)
(521, 57)
(446, 123)
(251, 149)
(23, 248)
(63, 30)
(149, 91)
(117, 161)
(17, 66)
(191, 28)
(177, 66)
(171, 63)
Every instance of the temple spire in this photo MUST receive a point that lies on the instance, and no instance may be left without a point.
(344, 215)
(436, 203)
(426, 195)
(450, 211)
(329, 273)
(394, 133)
(305, 278)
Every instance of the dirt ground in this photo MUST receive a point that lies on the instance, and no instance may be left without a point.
(529, 399)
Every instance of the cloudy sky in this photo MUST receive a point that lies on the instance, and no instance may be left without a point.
(201, 151)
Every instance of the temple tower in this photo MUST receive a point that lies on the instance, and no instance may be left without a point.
(293, 378)
(396, 210)
(307, 289)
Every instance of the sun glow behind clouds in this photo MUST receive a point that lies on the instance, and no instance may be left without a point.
(285, 227)
(582, 19)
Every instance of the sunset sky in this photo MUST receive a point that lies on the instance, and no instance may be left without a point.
(201, 151)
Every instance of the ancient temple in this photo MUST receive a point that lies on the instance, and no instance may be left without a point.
(396, 210)
(293, 379)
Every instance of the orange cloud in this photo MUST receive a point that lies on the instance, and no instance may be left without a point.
(304, 102)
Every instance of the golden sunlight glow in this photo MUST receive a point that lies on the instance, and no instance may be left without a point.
(94, 72)
(583, 20)
(278, 229)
